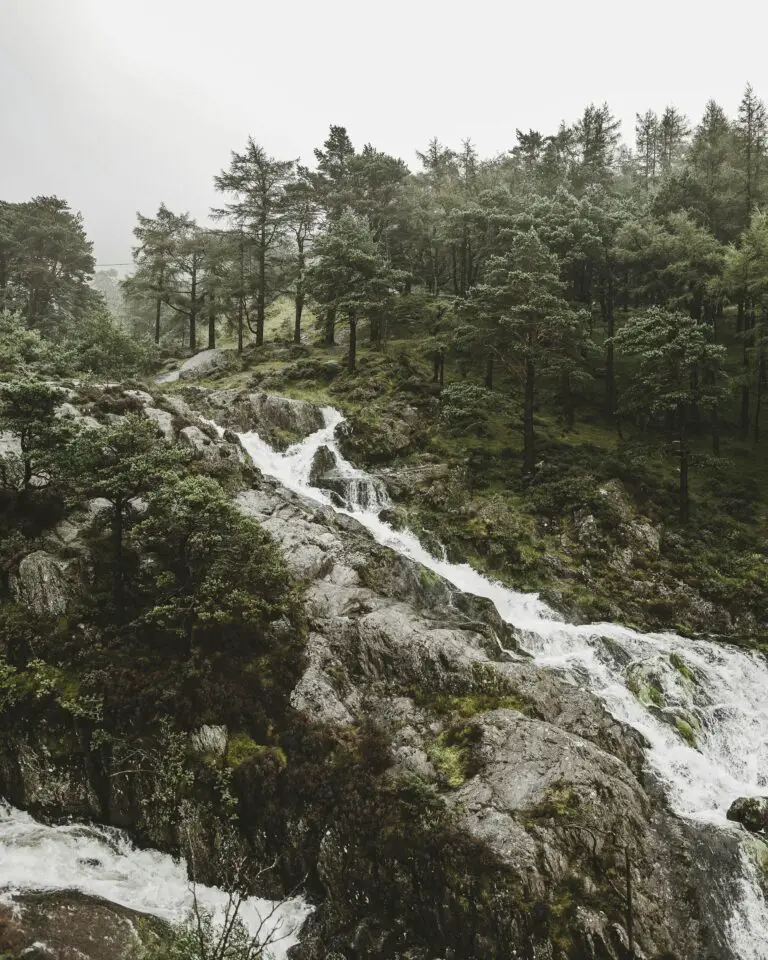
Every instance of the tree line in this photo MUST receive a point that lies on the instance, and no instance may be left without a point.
(530, 255)
(537, 261)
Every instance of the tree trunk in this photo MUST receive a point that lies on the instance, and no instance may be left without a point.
(299, 302)
(193, 312)
(489, 372)
(330, 327)
(567, 396)
(715, 431)
(261, 298)
(684, 457)
(211, 326)
(529, 455)
(352, 355)
(158, 313)
(117, 532)
(241, 296)
(760, 382)
(610, 376)
(299, 309)
(744, 421)
(442, 368)
(375, 323)
(695, 410)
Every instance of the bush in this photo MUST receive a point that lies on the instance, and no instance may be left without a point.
(464, 406)
(95, 344)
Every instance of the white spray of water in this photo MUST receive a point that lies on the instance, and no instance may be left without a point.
(713, 695)
(102, 862)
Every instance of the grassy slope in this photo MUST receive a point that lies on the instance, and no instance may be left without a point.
(528, 534)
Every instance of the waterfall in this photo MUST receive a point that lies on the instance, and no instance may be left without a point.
(102, 862)
(702, 707)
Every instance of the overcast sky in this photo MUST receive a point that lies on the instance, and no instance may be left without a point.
(117, 105)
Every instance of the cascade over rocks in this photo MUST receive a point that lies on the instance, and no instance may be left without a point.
(549, 783)
(529, 766)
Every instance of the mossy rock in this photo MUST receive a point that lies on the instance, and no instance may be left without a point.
(242, 749)
(686, 732)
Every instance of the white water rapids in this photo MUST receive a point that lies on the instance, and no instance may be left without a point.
(718, 694)
(102, 862)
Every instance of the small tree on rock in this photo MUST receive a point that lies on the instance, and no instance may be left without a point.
(27, 413)
(121, 463)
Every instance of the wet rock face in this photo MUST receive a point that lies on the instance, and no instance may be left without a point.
(69, 926)
(323, 463)
(279, 420)
(750, 812)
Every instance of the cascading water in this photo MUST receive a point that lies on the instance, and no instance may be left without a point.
(102, 862)
(702, 707)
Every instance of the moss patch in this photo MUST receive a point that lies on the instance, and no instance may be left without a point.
(686, 732)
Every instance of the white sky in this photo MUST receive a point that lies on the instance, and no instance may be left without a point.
(117, 105)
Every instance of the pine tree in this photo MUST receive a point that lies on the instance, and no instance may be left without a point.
(303, 215)
(46, 261)
(670, 350)
(745, 279)
(673, 133)
(751, 131)
(521, 308)
(597, 137)
(258, 183)
(647, 143)
(711, 156)
(350, 275)
(331, 178)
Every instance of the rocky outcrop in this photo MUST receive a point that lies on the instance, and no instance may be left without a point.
(43, 583)
(202, 445)
(547, 781)
(373, 440)
(67, 411)
(279, 420)
(163, 419)
(208, 363)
